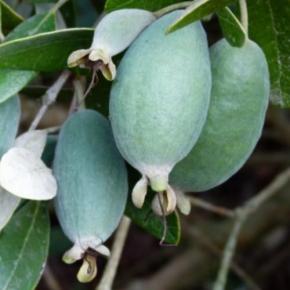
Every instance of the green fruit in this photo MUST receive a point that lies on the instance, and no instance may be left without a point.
(9, 121)
(239, 100)
(159, 102)
(92, 186)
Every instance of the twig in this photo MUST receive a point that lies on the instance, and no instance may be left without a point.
(51, 282)
(196, 265)
(107, 280)
(197, 235)
(49, 98)
(241, 215)
(244, 15)
(228, 253)
(172, 7)
(212, 208)
(277, 184)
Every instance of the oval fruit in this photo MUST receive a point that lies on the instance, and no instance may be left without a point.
(239, 99)
(159, 102)
(92, 187)
(9, 121)
(113, 34)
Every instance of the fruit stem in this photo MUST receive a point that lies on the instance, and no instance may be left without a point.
(49, 98)
(165, 226)
(244, 15)
(172, 7)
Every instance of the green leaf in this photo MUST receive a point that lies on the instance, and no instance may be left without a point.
(153, 224)
(11, 80)
(8, 204)
(10, 18)
(44, 52)
(269, 27)
(24, 248)
(198, 10)
(232, 28)
(33, 25)
(142, 4)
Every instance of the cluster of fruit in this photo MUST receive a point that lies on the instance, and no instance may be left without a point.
(185, 116)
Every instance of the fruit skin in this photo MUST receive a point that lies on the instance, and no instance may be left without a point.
(239, 99)
(9, 121)
(92, 180)
(160, 98)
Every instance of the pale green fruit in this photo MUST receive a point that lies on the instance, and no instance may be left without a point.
(239, 99)
(159, 102)
(92, 186)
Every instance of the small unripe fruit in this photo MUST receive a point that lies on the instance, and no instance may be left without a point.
(113, 34)
(92, 187)
(159, 102)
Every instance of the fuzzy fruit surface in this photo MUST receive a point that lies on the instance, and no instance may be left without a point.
(160, 97)
(9, 121)
(240, 96)
(91, 177)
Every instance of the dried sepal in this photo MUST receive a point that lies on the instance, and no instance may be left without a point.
(164, 203)
(87, 251)
(139, 192)
(183, 202)
(88, 270)
(78, 57)
(103, 250)
(170, 199)
(73, 254)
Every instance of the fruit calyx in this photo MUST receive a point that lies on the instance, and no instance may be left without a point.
(88, 253)
(164, 201)
(97, 59)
